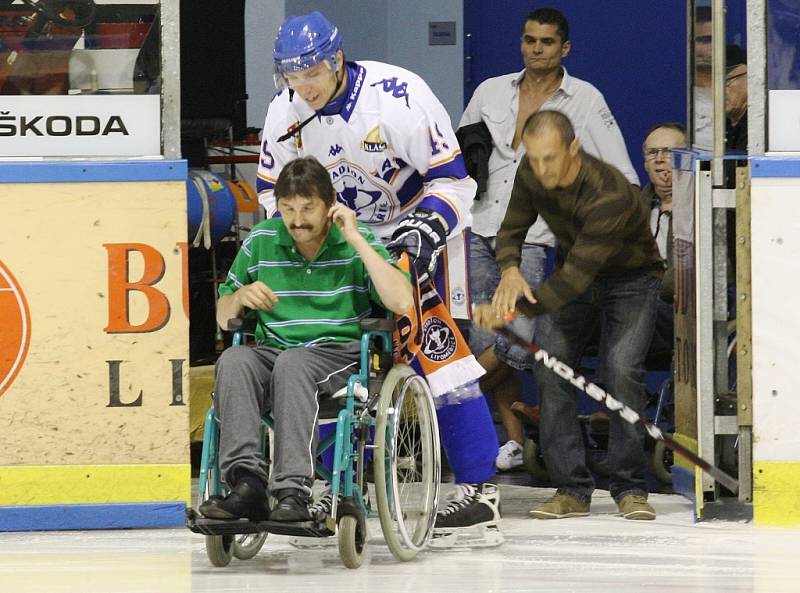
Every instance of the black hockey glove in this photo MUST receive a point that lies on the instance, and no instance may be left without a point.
(423, 237)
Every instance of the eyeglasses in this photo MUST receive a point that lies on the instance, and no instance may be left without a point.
(652, 153)
(730, 79)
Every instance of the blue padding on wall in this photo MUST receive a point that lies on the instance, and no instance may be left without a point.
(92, 516)
(774, 167)
(92, 171)
(683, 481)
(683, 159)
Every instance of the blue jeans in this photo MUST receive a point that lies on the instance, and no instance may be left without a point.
(484, 276)
(625, 309)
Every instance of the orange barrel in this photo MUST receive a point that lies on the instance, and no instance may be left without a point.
(244, 194)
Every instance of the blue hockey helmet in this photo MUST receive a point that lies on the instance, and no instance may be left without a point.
(303, 42)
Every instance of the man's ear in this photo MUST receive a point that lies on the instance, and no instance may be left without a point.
(574, 147)
(565, 47)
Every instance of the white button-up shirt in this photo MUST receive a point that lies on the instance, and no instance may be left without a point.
(496, 103)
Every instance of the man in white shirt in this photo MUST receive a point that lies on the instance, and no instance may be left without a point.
(504, 103)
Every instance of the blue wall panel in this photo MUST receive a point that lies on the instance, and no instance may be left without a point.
(92, 516)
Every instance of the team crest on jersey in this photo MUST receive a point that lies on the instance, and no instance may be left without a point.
(297, 139)
(358, 192)
(373, 141)
(439, 342)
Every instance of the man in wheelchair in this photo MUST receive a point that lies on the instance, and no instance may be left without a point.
(309, 277)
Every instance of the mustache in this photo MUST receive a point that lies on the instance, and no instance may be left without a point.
(299, 227)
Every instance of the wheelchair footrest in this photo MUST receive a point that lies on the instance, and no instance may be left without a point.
(199, 524)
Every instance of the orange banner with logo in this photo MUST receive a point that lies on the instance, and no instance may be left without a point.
(427, 338)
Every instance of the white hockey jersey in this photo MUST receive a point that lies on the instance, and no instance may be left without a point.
(390, 149)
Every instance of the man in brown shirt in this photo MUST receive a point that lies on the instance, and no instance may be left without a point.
(608, 272)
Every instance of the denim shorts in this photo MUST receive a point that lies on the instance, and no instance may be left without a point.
(484, 277)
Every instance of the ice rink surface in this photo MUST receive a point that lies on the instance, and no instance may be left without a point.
(593, 554)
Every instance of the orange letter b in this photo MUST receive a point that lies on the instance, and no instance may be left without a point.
(119, 287)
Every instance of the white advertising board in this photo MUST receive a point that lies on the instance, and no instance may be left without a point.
(784, 121)
(80, 126)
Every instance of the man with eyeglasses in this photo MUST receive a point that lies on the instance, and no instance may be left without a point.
(657, 194)
(735, 98)
(503, 104)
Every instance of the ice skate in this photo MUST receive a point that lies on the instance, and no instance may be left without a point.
(470, 518)
(319, 510)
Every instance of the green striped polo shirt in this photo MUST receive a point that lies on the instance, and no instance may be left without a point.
(319, 300)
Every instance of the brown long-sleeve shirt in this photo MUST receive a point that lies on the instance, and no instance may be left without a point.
(601, 227)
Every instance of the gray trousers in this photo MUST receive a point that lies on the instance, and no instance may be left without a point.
(251, 381)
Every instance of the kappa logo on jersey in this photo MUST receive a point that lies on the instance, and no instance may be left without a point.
(439, 341)
(390, 85)
(457, 295)
(357, 191)
(15, 337)
(373, 141)
(336, 149)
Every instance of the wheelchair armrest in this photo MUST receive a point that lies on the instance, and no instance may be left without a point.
(380, 325)
(245, 325)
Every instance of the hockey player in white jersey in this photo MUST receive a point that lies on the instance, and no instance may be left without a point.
(393, 158)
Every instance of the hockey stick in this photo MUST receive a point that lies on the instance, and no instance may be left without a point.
(629, 415)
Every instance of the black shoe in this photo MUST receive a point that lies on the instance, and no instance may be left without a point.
(292, 507)
(243, 502)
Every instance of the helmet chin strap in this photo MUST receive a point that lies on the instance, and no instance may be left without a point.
(294, 130)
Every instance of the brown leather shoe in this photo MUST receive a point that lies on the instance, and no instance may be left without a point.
(526, 413)
(636, 507)
(560, 506)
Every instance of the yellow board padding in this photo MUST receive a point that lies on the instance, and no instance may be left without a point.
(699, 497)
(688, 442)
(775, 500)
(90, 484)
(201, 384)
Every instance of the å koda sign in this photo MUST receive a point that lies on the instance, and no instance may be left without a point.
(80, 126)
(15, 328)
(60, 125)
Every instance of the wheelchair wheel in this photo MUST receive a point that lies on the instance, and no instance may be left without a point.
(247, 545)
(661, 462)
(219, 549)
(533, 462)
(407, 462)
(352, 538)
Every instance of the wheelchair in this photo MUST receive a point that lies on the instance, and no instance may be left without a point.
(391, 402)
